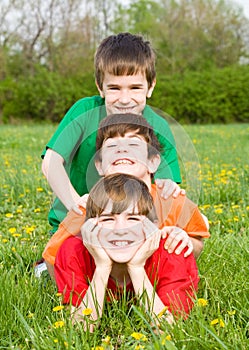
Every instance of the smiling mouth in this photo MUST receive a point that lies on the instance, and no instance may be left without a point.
(119, 243)
(123, 161)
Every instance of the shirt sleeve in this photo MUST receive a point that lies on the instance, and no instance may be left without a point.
(180, 212)
(70, 226)
(169, 166)
(73, 269)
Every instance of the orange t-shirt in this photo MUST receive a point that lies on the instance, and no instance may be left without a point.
(180, 212)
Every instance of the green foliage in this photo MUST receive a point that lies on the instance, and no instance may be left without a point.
(42, 95)
(213, 96)
(26, 315)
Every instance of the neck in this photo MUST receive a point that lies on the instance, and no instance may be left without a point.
(120, 274)
(147, 180)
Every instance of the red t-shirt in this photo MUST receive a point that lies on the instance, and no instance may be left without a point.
(175, 277)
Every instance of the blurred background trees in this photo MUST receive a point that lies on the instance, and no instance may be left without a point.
(47, 49)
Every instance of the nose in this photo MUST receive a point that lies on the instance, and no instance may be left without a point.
(119, 226)
(122, 147)
(124, 97)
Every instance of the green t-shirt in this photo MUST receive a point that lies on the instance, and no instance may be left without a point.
(75, 140)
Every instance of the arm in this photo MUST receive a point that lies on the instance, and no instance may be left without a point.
(55, 173)
(94, 297)
(138, 275)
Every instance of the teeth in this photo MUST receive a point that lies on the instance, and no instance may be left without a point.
(120, 243)
(122, 161)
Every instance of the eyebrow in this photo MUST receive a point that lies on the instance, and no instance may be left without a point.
(112, 214)
(117, 85)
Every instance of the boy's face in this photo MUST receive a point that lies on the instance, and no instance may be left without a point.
(125, 94)
(127, 155)
(121, 235)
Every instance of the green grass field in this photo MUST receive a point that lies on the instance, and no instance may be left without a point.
(220, 319)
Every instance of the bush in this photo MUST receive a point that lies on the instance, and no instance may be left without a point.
(214, 96)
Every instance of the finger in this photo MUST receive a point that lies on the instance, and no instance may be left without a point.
(166, 230)
(76, 209)
(189, 251)
(149, 228)
(159, 183)
(176, 192)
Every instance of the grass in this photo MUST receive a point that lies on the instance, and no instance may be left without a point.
(26, 314)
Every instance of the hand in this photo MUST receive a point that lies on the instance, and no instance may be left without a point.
(90, 234)
(152, 240)
(80, 203)
(169, 188)
(175, 236)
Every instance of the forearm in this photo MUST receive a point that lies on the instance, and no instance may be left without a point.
(54, 171)
(94, 297)
(197, 246)
(153, 303)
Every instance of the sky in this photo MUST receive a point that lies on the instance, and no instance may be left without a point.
(245, 6)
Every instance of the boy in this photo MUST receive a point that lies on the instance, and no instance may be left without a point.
(127, 144)
(125, 77)
(123, 249)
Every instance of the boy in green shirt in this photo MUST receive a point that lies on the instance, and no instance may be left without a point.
(125, 77)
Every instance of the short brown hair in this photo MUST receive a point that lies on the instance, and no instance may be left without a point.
(125, 54)
(123, 190)
(120, 124)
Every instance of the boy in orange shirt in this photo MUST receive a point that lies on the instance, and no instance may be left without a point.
(127, 144)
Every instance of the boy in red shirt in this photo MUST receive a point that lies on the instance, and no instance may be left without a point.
(121, 247)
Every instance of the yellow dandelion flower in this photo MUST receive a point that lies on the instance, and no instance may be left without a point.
(4, 240)
(12, 229)
(218, 211)
(18, 211)
(218, 321)
(232, 312)
(66, 344)
(162, 312)
(13, 249)
(87, 311)
(247, 207)
(24, 171)
(168, 337)
(16, 235)
(59, 324)
(236, 219)
(56, 340)
(29, 229)
(106, 340)
(98, 348)
(30, 315)
(58, 308)
(139, 336)
(9, 215)
(39, 189)
(202, 302)
(137, 347)
(58, 294)
(37, 210)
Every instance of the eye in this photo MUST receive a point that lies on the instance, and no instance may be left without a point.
(134, 218)
(133, 144)
(106, 219)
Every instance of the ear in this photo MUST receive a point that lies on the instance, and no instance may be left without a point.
(98, 165)
(154, 163)
(100, 91)
(150, 90)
